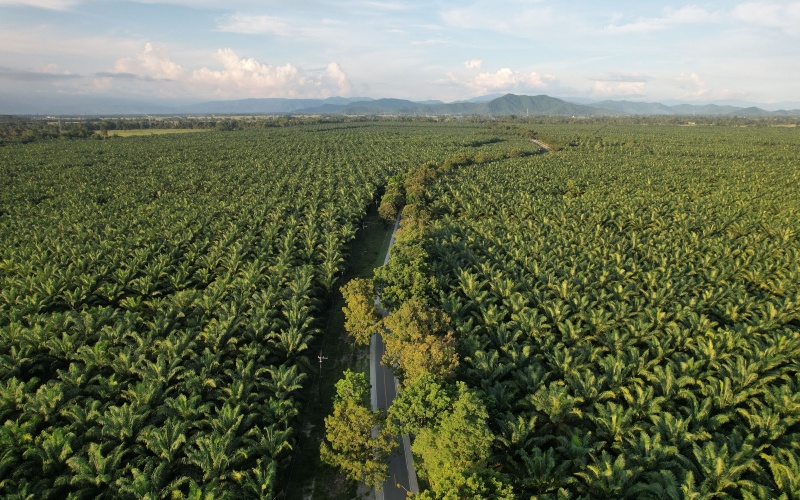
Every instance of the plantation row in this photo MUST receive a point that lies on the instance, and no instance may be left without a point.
(627, 309)
(158, 297)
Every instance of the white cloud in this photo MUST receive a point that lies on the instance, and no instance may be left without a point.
(152, 62)
(617, 88)
(502, 80)
(693, 85)
(201, 4)
(434, 27)
(507, 79)
(248, 77)
(431, 41)
(43, 4)
(253, 25)
(391, 6)
(337, 77)
(237, 77)
(83, 53)
(473, 64)
(619, 84)
(55, 69)
(689, 14)
(772, 15)
(513, 19)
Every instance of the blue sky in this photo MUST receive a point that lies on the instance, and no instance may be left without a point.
(448, 50)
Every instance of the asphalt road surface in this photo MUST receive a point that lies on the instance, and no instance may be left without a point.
(402, 477)
(398, 482)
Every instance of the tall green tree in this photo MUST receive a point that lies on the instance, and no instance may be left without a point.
(420, 404)
(356, 442)
(455, 453)
(393, 200)
(418, 342)
(361, 317)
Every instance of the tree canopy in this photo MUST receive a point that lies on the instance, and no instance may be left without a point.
(362, 318)
(356, 441)
(418, 341)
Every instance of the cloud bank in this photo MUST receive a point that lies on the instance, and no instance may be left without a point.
(235, 76)
(42, 4)
(689, 14)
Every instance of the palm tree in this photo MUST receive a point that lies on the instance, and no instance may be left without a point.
(187, 409)
(263, 480)
(123, 423)
(46, 402)
(540, 472)
(96, 470)
(609, 477)
(274, 440)
(284, 380)
(13, 395)
(555, 403)
(214, 454)
(52, 450)
(167, 441)
(784, 465)
(720, 473)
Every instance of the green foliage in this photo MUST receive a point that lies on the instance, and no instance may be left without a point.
(454, 453)
(418, 342)
(355, 442)
(393, 199)
(420, 404)
(406, 276)
(416, 182)
(627, 308)
(483, 484)
(160, 295)
(362, 318)
(353, 387)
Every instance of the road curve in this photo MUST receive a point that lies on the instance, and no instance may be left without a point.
(541, 144)
(402, 476)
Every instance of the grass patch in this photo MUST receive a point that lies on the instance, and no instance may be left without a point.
(155, 131)
(306, 476)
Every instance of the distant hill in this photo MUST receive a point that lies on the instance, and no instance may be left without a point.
(371, 107)
(265, 106)
(785, 112)
(656, 108)
(506, 105)
(492, 105)
(482, 98)
(77, 105)
(635, 108)
(706, 109)
(511, 104)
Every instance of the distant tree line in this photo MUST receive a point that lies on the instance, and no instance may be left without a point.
(24, 129)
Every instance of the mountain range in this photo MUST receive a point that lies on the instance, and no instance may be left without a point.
(499, 105)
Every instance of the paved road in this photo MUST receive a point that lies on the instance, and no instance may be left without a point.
(402, 477)
(398, 482)
(545, 146)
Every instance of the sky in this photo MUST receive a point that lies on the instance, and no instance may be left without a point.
(196, 50)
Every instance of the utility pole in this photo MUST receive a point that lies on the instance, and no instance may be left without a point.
(321, 358)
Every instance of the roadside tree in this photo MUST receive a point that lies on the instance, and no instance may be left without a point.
(355, 440)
